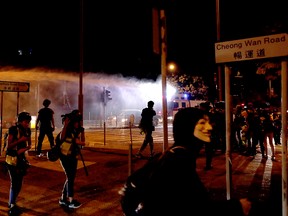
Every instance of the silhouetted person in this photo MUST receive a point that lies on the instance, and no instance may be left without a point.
(147, 127)
(46, 120)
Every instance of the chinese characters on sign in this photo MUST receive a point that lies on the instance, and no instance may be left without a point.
(14, 86)
(250, 54)
(252, 48)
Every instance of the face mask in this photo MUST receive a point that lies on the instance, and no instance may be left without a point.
(202, 129)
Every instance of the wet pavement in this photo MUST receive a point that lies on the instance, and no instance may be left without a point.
(108, 167)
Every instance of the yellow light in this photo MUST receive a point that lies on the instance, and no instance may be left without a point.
(33, 122)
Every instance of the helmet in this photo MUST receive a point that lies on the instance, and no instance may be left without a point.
(23, 116)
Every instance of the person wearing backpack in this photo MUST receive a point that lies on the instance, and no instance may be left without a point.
(19, 141)
(174, 186)
(72, 139)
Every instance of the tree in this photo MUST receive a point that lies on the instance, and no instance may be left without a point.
(193, 85)
(271, 71)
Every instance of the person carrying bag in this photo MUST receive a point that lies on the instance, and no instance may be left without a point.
(19, 141)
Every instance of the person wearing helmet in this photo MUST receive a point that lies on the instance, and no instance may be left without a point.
(72, 138)
(46, 120)
(19, 141)
(147, 127)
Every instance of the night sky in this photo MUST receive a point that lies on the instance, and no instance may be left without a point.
(118, 34)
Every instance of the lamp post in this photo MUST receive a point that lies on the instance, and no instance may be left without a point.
(80, 96)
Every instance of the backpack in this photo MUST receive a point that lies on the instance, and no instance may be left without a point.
(133, 191)
(5, 139)
(12, 158)
(54, 153)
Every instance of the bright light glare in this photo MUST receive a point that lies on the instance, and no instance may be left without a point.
(171, 67)
(171, 91)
(153, 91)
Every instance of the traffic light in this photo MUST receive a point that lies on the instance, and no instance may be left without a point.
(107, 95)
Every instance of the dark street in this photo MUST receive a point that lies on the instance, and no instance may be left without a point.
(259, 179)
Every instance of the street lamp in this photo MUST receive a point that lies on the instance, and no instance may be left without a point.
(172, 67)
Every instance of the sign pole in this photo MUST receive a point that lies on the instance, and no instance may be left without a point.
(228, 132)
(284, 135)
(1, 118)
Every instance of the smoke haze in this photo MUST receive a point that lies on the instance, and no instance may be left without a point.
(62, 88)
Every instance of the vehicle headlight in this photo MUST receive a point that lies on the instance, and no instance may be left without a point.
(124, 120)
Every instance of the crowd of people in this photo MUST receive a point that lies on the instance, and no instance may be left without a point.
(252, 128)
(193, 128)
(256, 126)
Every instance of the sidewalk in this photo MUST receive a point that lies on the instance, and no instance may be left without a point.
(107, 167)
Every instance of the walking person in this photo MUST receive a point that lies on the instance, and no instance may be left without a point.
(175, 187)
(19, 141)
(72, 138)
(46, 120)
(147, 127)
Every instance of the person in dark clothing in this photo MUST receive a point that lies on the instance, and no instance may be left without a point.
(147, 127)
(258, 133)
(236, 129)
(248, 125)
(175, 187)
(46, 120)
(72, 138)
(209, 149)
(19, 141)
(277, 128)
(268, 135)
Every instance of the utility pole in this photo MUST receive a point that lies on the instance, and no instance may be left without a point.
(164, 73)
(80, 97)
(220, 98)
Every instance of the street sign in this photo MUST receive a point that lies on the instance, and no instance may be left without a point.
(252, 48)
(14, 86)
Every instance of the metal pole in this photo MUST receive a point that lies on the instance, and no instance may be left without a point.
(1, 118)
(80, 98)
(228, 132)
(130, 150)
(104, 114)
(218, 39)
(284, 135)
(18, 98)
(36, 138)
(163, 72)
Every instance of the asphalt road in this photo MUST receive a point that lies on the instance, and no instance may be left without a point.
(108, 167)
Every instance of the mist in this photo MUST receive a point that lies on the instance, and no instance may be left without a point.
(62, 88)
